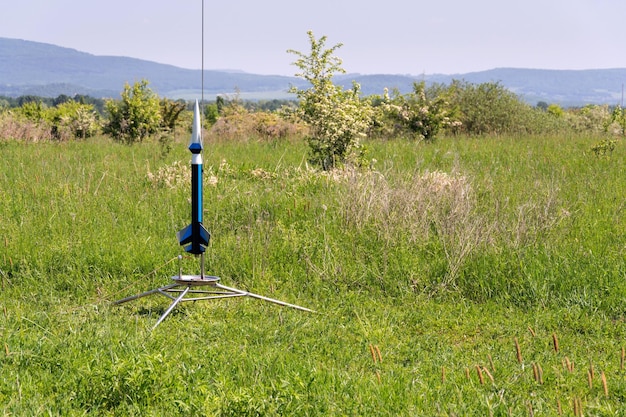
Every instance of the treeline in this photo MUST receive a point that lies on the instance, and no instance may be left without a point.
(423, 114)
(332, 119)
(98, 103)
(138, 114)
(15, 102)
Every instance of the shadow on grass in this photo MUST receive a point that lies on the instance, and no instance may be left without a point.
(159, 311)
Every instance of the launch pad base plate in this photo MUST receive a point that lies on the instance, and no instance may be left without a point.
(195, 279)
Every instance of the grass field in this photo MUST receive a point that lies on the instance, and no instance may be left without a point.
(472, 276)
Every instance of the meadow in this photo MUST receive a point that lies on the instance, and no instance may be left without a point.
(469, 276)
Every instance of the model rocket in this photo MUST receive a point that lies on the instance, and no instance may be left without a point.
(195, 237)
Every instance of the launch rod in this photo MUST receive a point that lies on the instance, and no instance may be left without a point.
(202, 94)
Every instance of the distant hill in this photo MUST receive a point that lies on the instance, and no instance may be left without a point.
(46, 70)
(565, 87)
(33, 68)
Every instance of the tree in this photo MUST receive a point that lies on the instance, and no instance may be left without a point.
(337, 118)
(136, 116)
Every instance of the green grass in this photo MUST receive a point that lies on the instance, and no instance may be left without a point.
(511, 238)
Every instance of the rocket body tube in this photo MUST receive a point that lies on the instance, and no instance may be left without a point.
(195, 237)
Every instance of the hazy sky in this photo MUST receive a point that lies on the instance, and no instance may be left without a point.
(388, 36)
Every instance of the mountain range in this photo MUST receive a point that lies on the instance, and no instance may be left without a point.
(40, 69)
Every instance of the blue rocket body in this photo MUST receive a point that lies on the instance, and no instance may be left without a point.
(195, 237)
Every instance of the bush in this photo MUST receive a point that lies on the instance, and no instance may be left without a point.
(74, 120)
(237, 123)
(617, 123)
(337, 118)
(422, 113)
(488, 108)
(34, 111)
(15, 126)
(68, 120)
(170, 113)
(136, 116)
(590, 119)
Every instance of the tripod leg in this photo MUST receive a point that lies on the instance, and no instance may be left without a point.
(171, 307)
(260, 297)
(144, 294)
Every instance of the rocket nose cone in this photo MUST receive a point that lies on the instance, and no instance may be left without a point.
(196, 130)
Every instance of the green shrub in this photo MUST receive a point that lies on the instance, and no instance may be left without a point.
(170, 113)
(35, 111)
(74, 120)
(136, 116)
(488, 108)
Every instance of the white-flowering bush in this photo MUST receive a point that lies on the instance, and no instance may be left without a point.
(337, 118)
(422, 116)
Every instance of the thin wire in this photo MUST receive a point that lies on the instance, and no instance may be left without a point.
(202, 94)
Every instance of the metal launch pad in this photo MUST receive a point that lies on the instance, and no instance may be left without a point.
(194, 288)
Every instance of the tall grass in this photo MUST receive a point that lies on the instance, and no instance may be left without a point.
(439, 260)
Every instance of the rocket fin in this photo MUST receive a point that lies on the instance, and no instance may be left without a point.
(193, 239)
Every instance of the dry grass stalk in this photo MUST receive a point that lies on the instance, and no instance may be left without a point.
(536, 217)
(589, 379)
(536, 374)
(578, 407)
(518, 351)
(591, 370)
(559, 409)
(480, 375)
(380, 357)
(621, 362)
(493, 368)
(6, 349)
(568, 365)
(443, 374)
(532, 332)
(605, 387)
(531, 413)
(467, 373)
(555, 342)
(378, 377)
(373, 353)
(485, 370)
